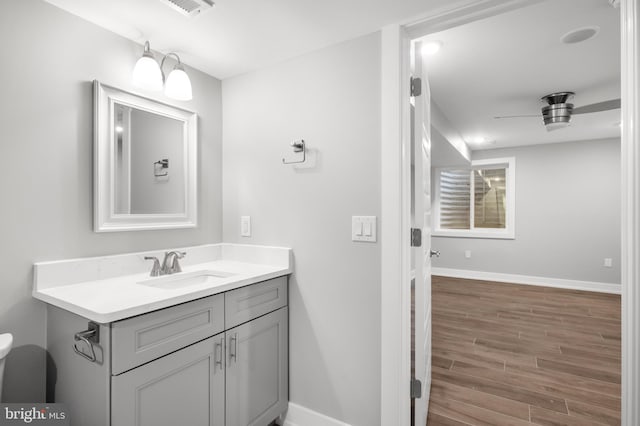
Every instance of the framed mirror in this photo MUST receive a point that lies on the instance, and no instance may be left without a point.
(145, 163)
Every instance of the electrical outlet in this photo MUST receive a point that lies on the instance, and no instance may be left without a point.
(608, 262)
(245, 226)
(467, 254)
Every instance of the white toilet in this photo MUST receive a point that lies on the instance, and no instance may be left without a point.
(6, 340)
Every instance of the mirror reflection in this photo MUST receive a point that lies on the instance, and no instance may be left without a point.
(149, 161)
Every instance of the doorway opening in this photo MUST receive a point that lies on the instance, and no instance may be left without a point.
(591, 96)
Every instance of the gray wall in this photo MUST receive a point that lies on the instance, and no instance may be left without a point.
(443, 154)
(331, 98)
(567, 216)
(46, 109)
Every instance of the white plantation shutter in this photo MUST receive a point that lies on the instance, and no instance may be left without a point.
(455, 199)
(489, 198)
(477, 201)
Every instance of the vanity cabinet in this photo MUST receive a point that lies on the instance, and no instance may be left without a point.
(216, 361)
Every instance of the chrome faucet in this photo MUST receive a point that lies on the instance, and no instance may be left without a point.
(155, 269)
(171, 263)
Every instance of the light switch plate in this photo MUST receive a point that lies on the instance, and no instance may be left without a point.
(245, 226)
(608, 262)
(364, 228)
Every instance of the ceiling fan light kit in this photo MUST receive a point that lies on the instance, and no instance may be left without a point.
(558, 113)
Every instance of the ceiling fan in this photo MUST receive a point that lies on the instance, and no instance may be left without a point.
(557, 114)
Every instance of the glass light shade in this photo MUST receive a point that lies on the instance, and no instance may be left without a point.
(178, 85)
(555, 126)
(147, 74)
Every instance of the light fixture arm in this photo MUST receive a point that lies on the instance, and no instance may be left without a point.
(178, 65)
(147, 49)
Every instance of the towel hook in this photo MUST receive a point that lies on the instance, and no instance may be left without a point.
(298, 146)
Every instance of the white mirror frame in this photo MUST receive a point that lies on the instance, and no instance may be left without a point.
(105, 217)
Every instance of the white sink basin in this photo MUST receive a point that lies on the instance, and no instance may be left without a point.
(187, 279)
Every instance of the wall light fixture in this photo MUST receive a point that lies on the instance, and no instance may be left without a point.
(148, 75)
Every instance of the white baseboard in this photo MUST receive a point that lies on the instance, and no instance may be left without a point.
(297, 415)
(529, 280)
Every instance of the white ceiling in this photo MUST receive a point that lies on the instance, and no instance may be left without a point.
(238, 36)
(496, 66)
(503, 65)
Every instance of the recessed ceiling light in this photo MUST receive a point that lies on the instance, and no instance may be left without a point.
(480, 140)
(432, 47)
(580, 34)
(119, 129)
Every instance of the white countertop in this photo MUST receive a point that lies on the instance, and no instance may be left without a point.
(105, 298)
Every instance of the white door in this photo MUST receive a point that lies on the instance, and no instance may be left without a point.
(421, 218)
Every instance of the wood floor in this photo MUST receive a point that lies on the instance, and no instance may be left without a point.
(516, 355)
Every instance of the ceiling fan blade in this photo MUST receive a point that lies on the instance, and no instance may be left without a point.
(597, 107)
(500, 117)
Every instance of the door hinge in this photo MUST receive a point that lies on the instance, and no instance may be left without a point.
(416, 389)
(416, 86)
(416, 237)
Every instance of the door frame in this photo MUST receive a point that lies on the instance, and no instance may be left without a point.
(395, 200)
(630, 258)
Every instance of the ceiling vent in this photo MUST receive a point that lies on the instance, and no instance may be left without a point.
(190, 8)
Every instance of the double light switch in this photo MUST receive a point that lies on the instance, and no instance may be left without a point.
(364, 228)
(245, 226)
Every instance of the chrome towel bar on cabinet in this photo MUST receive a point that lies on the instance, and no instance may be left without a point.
(89, 337)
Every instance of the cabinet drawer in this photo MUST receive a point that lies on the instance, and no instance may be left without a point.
(144, 338)
(247, 303)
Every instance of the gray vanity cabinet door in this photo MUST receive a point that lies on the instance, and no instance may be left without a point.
(257, 370)
(182, 388)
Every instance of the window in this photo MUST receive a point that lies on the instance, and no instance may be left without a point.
(478, 201)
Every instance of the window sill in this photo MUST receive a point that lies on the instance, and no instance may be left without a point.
(494, 235)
